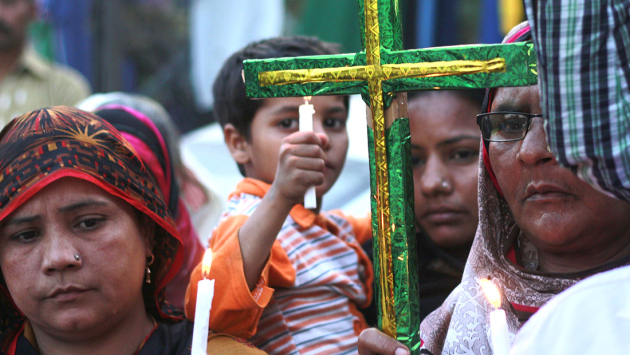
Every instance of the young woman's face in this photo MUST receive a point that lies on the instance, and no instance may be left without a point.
(559, 212)
(67, 296)
(445, 151)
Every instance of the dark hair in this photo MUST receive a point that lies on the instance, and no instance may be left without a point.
(474, 96)
(231, 105)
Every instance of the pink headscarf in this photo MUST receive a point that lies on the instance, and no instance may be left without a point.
(518, 34)
(164, 176)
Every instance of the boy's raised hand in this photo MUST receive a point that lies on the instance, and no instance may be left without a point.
(301, 164)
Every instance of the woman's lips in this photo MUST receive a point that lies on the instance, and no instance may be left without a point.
(443, 215)
(543, 192)
(67, 294)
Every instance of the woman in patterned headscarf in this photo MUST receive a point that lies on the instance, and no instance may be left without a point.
(87, 244)
(541, 229)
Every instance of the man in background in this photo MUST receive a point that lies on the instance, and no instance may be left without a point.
(27, 81)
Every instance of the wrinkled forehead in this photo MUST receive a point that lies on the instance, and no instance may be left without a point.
(65, 196)
(521, 99)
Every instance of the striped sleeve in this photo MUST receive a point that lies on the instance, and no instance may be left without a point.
(361, 226)
(583, 49)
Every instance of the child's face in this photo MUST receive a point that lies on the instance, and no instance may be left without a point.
(279, 117)
(445, 152)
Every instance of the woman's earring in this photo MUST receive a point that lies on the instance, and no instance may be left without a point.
(149, 263)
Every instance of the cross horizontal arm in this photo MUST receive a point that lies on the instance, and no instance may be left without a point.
(382, 72)
(459, 67)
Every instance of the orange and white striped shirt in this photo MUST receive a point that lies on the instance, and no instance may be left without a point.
(306, 299)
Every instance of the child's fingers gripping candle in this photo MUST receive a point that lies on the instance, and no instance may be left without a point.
(306, 125)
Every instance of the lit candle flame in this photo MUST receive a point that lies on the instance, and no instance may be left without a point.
(205, 263)
(307, 99)
(492, 293)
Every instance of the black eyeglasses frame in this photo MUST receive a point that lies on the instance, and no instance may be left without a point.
(529, 116)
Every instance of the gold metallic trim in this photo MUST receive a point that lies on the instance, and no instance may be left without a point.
(382, 72)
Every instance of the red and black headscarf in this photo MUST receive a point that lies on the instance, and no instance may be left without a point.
(520, 33)
(45, 145)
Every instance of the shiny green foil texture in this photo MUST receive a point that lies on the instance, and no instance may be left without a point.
(520, 60)
(361, 15)
(404, 248)
(390, 24)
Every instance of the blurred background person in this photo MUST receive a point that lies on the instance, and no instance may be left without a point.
(202, 202)
(155, 154)
(27, 81)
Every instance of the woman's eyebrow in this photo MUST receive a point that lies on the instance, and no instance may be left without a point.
(457, 139)
(20, 220)
(507, 106)
(81, 204)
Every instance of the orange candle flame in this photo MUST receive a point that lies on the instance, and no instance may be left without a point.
(492, 293)
(307, 99)
(205, 263)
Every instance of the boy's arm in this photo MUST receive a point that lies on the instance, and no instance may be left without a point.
(301, 163)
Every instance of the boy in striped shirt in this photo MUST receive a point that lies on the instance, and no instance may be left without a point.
(287, 278)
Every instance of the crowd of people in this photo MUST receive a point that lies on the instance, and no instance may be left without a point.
(101, 223)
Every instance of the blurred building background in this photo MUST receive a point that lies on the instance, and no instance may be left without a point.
(171, 50)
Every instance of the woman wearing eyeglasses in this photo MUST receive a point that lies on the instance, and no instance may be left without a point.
(541, 229)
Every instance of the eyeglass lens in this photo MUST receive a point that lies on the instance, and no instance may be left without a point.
(505, 126)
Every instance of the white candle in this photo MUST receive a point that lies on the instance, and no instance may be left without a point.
(205, 293)
(306, 125)
(499, 334)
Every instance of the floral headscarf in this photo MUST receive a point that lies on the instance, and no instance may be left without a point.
(46, 145)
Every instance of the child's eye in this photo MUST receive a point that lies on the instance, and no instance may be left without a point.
(90, 223)
(335, 123)
(289, 123)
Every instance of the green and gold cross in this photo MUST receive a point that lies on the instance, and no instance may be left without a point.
(378, 73)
